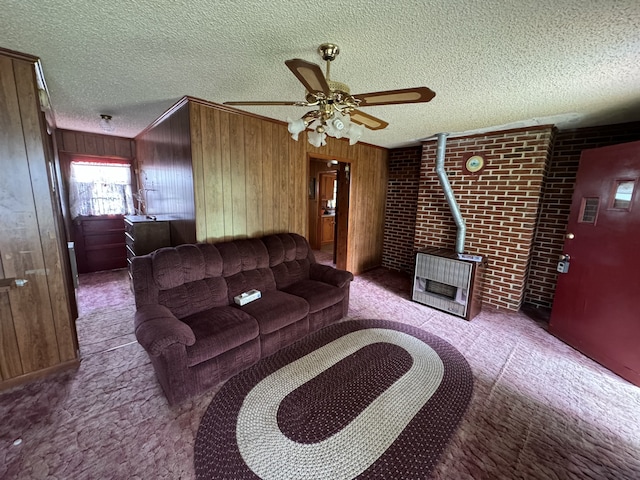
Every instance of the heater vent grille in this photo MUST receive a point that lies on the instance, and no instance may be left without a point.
(444, 282)
(443, 270)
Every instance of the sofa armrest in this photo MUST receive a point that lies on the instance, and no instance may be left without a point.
(330, 275)
(156, 328)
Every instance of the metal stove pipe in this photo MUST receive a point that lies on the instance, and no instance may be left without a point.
(448, 193)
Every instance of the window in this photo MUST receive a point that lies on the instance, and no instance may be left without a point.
(622, 194)
(100, 188)
(589, 210)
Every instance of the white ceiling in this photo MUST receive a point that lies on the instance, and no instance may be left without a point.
(493, 64)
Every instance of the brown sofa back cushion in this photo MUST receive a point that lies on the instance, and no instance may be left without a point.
(185, 279)
(289, 258)
(246, 266)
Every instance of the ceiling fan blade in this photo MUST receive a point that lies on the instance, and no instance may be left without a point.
(392, 97)
(369, 121)
(310, 75)
(264, 103)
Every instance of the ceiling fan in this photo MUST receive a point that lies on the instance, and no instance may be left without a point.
(337, 113)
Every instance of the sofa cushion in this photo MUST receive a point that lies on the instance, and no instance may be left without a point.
(318, 295)
(275, 310)
(167, 268)
(286, 247)
(218, 330)
(212, 260)
(259, 279)
(194, 297)
(242, 255)
(288, 273)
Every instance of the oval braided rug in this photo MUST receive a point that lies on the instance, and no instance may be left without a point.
(358, 399)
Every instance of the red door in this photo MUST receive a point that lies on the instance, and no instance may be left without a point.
(597, 301)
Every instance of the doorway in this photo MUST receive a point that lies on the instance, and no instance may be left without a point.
(596, 307)
(328, 210)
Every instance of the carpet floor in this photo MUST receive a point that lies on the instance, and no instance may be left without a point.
(539, 410)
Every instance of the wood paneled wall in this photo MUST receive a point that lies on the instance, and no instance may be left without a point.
(369, 176)
(93, 144)
(247, 182)
(166, 173)
(247, 177)
(251, 179)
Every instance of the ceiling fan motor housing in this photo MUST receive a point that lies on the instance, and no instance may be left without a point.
(339, 86)
(328, 51)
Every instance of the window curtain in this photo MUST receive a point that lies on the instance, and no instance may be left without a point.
(100, 189)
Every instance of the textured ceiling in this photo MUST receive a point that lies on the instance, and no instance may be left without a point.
(493, 64)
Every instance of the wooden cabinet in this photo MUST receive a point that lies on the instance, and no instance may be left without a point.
(327, 182)
(327, 229)
(326, 223)
(37, 301)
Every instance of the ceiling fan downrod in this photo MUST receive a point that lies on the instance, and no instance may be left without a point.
(328, 52)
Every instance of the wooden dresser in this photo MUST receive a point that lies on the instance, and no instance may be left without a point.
(144, 234)
(99, 243)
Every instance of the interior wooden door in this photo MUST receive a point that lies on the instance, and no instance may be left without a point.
(596, 307)
(37, 332)
(340, 246)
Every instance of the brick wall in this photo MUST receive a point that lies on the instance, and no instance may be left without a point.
(556, 202)
(500, 204)
(436, 224)
(402, 203)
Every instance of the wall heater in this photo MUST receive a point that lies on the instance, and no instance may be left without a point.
(444, 281)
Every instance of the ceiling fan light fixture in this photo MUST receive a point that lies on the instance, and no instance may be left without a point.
(295, 127)
(337, 124)
(317, 139)
(354, 133)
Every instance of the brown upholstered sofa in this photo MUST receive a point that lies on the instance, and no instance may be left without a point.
(194, 333)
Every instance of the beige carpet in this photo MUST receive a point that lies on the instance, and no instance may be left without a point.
(540, 410)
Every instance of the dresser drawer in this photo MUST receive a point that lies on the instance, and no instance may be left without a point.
(143, 236)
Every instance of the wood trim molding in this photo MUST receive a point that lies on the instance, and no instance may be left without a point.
(226, 108)
(494, 132)
(167, 113)
(19, 55)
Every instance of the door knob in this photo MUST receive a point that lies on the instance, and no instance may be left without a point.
(564, 257)
(570, 236)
